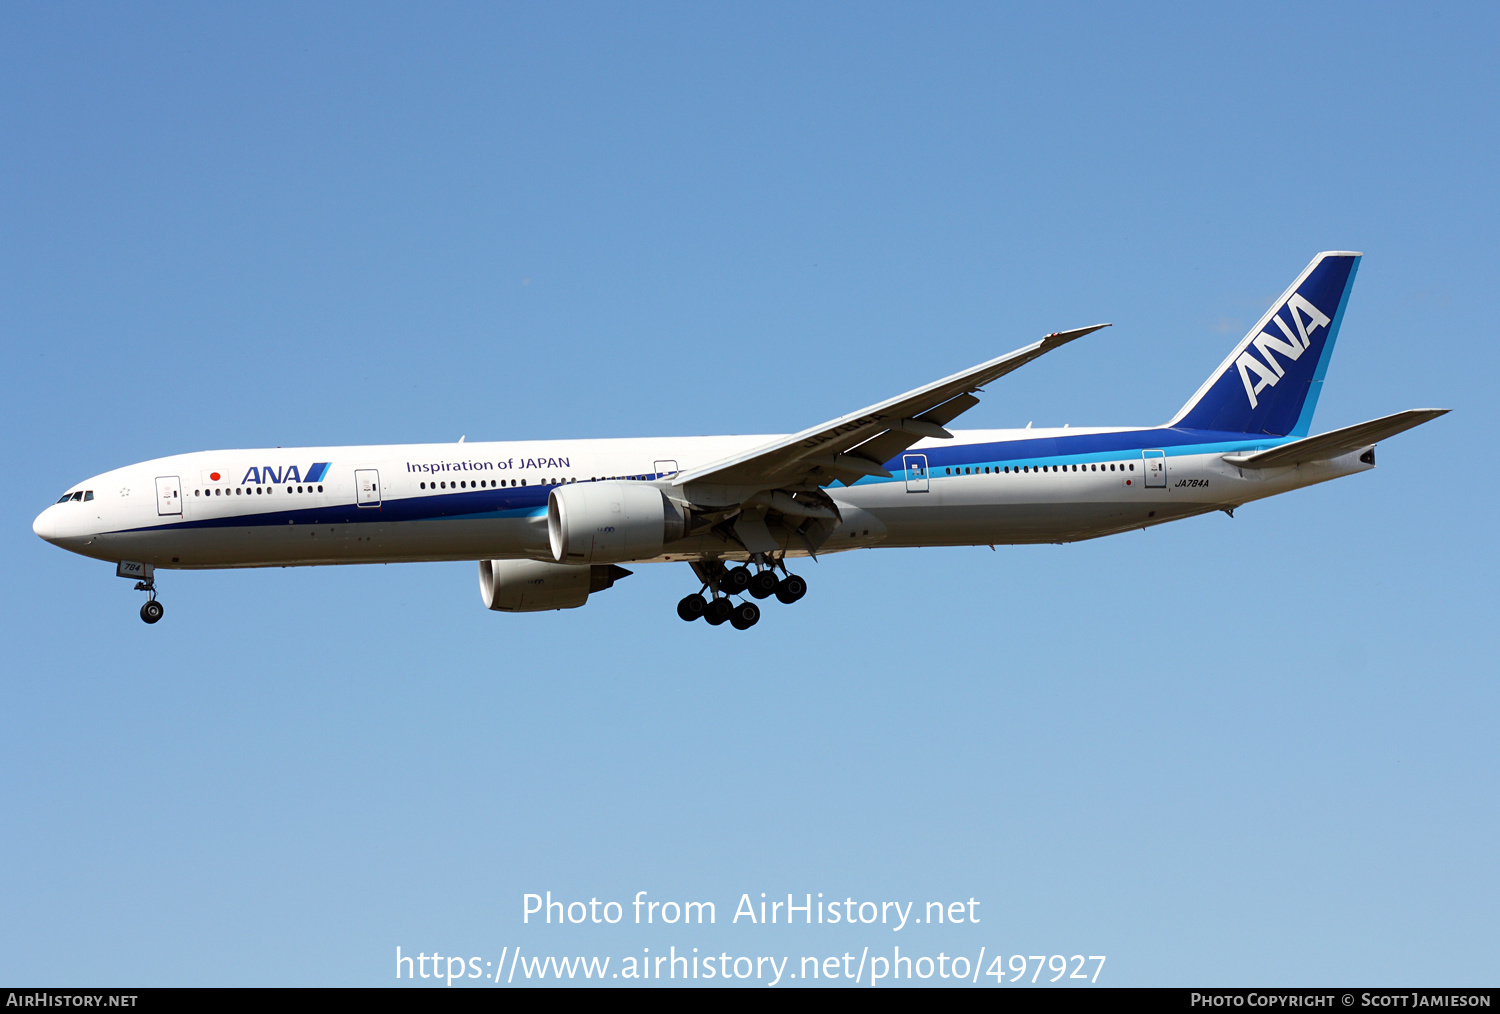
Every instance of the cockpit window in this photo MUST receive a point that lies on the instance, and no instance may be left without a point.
(88, 494)
(65, 498)
(78, 495)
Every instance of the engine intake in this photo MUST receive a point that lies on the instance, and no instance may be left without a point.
(529, 586)
(610, 522)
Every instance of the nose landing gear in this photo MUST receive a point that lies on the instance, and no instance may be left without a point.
(152, 610)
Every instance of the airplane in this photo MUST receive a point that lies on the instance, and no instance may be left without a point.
(551, 521)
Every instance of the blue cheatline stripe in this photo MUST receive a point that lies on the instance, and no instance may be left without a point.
(1084, 448)
(316, 471)
(520, 502)
(1315, 386)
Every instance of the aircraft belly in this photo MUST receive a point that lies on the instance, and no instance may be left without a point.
(981, 524)
(315, 544)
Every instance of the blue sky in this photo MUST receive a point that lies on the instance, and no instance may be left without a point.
(1256, 750)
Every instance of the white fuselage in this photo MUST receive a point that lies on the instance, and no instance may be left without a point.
(472, 501)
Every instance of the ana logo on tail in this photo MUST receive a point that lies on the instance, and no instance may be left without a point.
(1292, 347)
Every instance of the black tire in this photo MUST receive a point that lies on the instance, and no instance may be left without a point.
(735, 581)
(151, 611)
(718, 611)
(745, 616)
(791, 588)
(763, 584)
(691, 607)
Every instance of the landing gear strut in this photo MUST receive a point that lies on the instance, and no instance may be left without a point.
(722, 582)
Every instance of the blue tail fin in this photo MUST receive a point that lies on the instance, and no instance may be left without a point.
(1271, 381)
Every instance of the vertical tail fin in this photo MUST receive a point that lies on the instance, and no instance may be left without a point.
(1271, 381)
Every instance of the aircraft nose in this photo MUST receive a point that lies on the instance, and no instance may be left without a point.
(45, 524)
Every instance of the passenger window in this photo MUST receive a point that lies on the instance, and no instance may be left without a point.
(1132, 468)
(523, 482)
(320, 489)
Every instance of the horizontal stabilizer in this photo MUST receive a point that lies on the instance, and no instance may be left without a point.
(1336, 442)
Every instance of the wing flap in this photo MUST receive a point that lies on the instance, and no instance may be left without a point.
(1336, 442)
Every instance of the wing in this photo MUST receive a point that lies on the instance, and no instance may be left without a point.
(1336, 442)
(856, 445)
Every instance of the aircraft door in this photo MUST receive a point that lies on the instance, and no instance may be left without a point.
(916, 472)
(367, 487)
(665, 468)
(168, 495)
(1156, 468)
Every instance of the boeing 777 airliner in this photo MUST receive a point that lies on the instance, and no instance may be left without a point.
(550, 521)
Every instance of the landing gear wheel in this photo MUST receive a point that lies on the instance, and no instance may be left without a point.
(745, 615)
(151, 611)
(735, 581)
(691, 607)
(763, 584)
(718, 611)
(791, 588)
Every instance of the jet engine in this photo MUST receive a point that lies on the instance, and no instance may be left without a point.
(610, 522)
(529, 586)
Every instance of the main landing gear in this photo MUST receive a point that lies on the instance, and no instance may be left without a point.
(722, 582)
(152, 610)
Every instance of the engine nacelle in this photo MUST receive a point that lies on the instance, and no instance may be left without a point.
(529, 586)
(610, 522)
